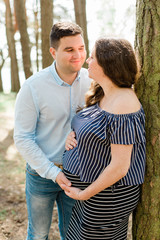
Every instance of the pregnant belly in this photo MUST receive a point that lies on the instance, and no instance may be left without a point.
(75, 180)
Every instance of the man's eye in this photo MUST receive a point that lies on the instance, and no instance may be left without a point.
(69, 50)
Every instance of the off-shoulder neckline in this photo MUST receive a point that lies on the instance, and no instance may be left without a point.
(119, 115)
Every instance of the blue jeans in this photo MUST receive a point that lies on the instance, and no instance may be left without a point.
(41, 195)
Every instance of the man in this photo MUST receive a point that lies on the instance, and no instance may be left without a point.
(44, 109)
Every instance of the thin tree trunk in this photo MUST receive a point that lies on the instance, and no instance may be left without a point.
(15, 84)
(146, 219)
(22, 26)
(1, 85)
(81, 20)
(36, 27)
(46, 25)
(1, 66)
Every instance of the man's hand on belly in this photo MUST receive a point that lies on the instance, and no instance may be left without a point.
(62, 180)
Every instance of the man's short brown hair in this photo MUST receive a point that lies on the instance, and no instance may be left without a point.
(63, 29)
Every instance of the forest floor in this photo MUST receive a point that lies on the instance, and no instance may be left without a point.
(13, 212)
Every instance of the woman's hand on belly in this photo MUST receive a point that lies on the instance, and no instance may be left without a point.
(74, 193)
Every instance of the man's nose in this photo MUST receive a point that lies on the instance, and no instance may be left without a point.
(77, 54)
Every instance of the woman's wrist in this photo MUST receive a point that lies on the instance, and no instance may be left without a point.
(82, 195)
(78, 195)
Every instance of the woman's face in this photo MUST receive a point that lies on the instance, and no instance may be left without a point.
(94, 69)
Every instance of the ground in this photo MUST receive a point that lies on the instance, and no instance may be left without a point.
(13, 213)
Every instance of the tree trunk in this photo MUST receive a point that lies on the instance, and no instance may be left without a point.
(46, 25)
(15, 84)
(1, 85)
(80, 16)
(22, 26)
(146, 219)
(36, 29)
(1, 66)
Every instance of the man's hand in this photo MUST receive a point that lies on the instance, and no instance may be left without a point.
(62, 180)
(71, 141)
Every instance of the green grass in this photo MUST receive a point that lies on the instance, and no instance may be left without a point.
(3, 214)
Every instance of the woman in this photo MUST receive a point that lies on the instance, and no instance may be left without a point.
(107, 165)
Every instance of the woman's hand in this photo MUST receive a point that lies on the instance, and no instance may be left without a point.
(71, 141)
(73, 192)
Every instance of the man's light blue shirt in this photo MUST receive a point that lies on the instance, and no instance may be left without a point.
(45, 106)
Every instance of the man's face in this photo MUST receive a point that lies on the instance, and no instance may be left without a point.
(70, 54)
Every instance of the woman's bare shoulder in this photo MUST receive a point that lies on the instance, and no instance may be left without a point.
(126, 102)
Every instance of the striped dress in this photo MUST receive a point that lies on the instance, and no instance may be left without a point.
(105, 215)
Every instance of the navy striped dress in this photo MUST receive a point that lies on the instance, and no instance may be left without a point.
(105, 215)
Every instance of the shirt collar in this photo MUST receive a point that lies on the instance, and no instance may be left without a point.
(58, 79)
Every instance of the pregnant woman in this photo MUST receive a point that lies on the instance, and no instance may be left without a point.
(106, 161)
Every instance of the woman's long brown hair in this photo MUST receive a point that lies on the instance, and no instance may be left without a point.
(118, 61)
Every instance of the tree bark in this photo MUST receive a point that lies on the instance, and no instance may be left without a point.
(81, 20)
(22, 26)
(146, 219)
(15, 84)
(46, 25)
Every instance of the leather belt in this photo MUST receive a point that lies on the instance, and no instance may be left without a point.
(59, 165)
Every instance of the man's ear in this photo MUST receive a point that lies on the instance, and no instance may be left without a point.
(53, 52)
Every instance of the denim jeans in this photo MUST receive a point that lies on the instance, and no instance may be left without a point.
(41, 195)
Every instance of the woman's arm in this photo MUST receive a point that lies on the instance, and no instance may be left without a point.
(117, 169)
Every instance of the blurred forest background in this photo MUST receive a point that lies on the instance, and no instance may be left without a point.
(25, 26)
(24, 49)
